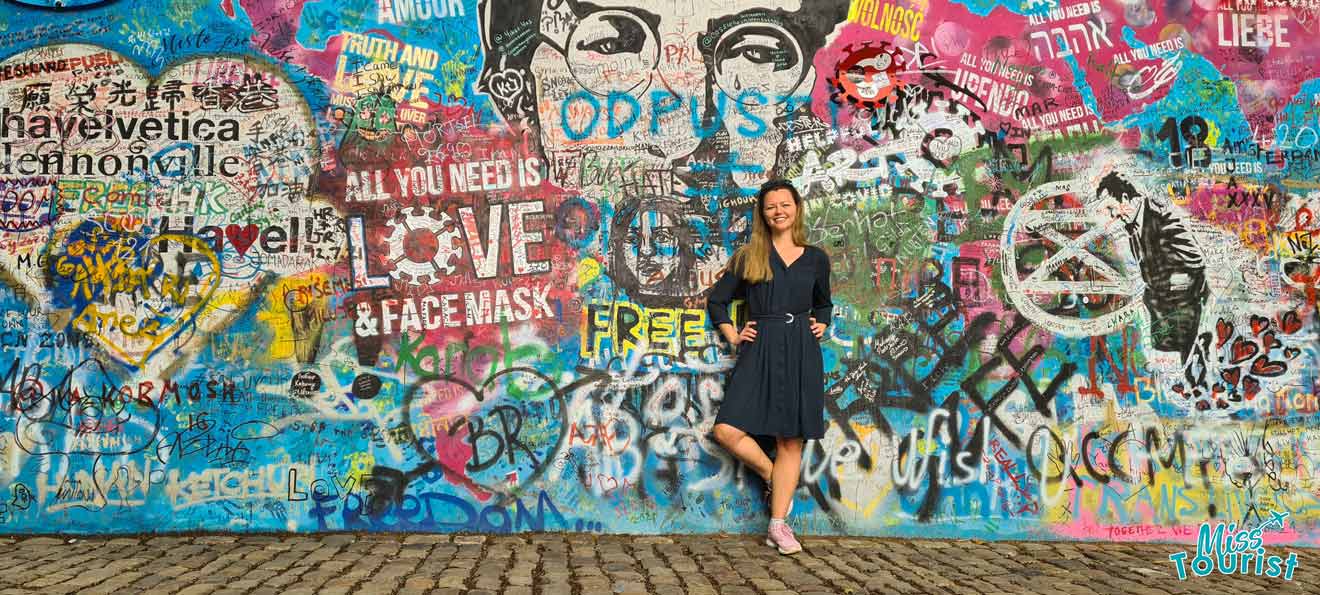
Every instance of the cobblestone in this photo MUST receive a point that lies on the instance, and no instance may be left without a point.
(605, 565)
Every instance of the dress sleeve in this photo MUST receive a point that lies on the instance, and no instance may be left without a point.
(730, 287)
(821, 305)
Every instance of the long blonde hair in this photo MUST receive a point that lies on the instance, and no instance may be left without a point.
(752, 260)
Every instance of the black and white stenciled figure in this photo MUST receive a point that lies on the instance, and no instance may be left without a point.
(685, 79)
(656, 248)
(1171, 263)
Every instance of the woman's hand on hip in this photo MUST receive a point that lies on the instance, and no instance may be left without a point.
(817, 328)
(748, 333)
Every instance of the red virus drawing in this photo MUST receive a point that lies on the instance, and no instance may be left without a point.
(869, 77)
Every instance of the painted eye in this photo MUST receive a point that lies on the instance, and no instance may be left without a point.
(762, 53)
(630, 37)
(763, 57)
(756, 54)
(615, 34)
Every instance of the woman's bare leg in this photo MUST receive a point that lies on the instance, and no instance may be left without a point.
(787, 468)
(745, 448)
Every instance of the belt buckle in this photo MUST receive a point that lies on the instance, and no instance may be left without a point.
(790, 318)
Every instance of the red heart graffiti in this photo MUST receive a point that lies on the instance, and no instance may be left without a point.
(1269, 369)
(1268, 342)
(1250, 387)
(1224, 329)
(1291, 352)
(1231, 375)
(241, 237)
(1290, 322)
(1258, 324)
(1243, 350)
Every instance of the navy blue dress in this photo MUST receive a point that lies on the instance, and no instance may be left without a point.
(777, 387)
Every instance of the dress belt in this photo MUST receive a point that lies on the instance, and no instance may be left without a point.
(787, 317)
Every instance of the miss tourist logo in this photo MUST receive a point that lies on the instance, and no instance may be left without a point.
(1230, 551)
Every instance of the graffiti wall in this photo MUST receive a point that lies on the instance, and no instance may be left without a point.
(441, 265)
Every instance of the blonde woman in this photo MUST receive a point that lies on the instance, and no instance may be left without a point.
(777, 387)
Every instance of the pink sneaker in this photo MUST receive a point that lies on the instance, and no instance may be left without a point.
(781, 536)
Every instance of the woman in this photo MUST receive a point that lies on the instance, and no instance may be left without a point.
(777, 388)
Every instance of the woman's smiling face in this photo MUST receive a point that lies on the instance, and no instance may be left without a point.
(779, 210)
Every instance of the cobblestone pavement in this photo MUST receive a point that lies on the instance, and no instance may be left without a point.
(599, 565)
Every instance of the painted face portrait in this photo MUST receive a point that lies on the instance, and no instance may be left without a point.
(1118, 200)
(651, 248)
(650, 87)
(660, 248)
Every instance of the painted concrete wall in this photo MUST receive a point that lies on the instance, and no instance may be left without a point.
(440, 265)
